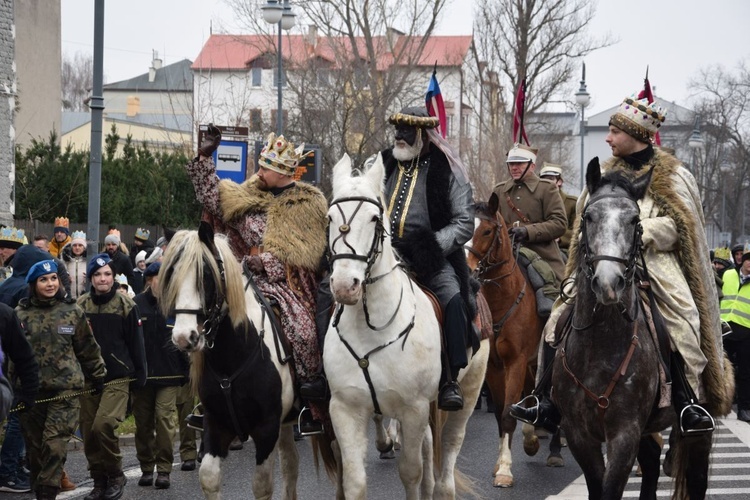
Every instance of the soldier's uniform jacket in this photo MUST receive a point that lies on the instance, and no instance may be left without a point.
(539, 201)
(116, 324)
(63, 343)
(569, 201)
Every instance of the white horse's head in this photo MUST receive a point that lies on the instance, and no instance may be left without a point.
(357, 227)
(197, 284)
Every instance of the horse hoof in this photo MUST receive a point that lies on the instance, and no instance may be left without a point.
(531, 446)
(503, 481)
(387, 455)
(555, 461)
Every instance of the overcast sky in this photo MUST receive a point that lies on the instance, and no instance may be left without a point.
(674, 37)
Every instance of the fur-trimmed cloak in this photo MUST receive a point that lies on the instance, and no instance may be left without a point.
(675, 242)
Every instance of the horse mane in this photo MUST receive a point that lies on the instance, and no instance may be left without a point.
(186, 253)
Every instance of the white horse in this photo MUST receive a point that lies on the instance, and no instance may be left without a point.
(382, 350)
(244, 387)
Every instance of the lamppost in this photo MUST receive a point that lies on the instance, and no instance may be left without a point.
(695, 141)
(276, 13)
(582, 99)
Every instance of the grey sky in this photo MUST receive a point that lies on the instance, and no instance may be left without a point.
(674, 37)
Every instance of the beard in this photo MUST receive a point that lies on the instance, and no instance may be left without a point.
(406, 152)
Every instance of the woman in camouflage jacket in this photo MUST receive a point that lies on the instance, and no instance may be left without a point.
(67, 354)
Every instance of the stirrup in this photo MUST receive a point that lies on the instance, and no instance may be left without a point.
(299, 423)
(700, 409)
(194, 413)
(522, 404)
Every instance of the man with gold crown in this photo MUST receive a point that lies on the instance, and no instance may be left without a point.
(681, 276)
(277, 227)
(61, 236)
(722, 261)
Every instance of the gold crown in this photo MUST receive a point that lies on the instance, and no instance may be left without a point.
(723, 253)
(280, 155)
(142, 234)
(62, 222)
(638, 118)
(12, 237)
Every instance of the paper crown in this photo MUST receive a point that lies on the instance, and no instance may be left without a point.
(78, 237)
(522, 154)
(62, 222)
(638, 118)
(11, 237)
(279, 155)
(142, 234)
(551, 169)
(115, 232)
(121, 279)
(722, 253)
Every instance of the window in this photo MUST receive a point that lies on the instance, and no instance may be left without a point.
(323, 78)
(257, 76)
(256, 120)
(449, 126)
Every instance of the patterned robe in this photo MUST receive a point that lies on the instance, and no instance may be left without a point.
(290, 231)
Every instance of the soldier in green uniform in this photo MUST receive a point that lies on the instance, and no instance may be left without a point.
(116, 324)
(67, 353)
(553, 173)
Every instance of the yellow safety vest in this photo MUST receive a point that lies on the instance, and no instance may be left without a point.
(735, 306)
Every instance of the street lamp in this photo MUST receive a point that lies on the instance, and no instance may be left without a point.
(276, 13)
(582, 99)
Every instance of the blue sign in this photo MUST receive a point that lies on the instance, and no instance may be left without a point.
(230, 159)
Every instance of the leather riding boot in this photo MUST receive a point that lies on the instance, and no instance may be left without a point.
(115, 486)
(693, 418)
(100, 486)
(451, 397)
(545, 414)
(316, 389)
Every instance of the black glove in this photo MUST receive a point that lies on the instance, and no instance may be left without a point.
(211, 141)
(255, 264)
(519, 234)
(98, 386)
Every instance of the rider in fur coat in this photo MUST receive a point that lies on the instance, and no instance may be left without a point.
(676, 254)
(277, 227)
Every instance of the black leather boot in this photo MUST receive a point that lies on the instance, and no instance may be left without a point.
(693, 418)
(315, 390)
(451, 397)
(115, 486)
(100, 486)
(544, 413)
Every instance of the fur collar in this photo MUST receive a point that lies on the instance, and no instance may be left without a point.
(296, 219)
(692, 255)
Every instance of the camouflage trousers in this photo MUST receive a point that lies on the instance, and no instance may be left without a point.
(155, 412)
(47, 427)
(100, 416)
(185, 405)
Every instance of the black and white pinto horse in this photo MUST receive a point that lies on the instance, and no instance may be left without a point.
(235, 362)
(382, 350)
(606, 378)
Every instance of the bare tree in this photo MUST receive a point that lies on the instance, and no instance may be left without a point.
(723, 166)
(77, 71)
(371, 51)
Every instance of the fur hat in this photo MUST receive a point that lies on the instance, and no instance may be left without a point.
(79, 237)
(96, 263)
(40, 269)
(638, 118)
(62, 224)
(10, 237)
(142, 234)
(415, 116)
(521, 154)
(280, 155)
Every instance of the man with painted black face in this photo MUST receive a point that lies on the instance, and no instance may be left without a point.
(428, 201)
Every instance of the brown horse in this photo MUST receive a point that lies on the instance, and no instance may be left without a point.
(517, 328)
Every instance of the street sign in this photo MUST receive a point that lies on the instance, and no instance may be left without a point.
(230, 157)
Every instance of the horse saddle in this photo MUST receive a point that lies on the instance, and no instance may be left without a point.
(482, 321)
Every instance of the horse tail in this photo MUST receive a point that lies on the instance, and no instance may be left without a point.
(322, 446)
(690, 465)
(197, 360)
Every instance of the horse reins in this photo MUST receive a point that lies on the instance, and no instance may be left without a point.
(375, 250)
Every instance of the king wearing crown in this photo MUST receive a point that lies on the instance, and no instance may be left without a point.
(62, 236)
(277, 228)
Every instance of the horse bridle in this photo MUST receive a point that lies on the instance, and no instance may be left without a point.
(376, 248)
(215, 314)
(630, 262)
(484, 265)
